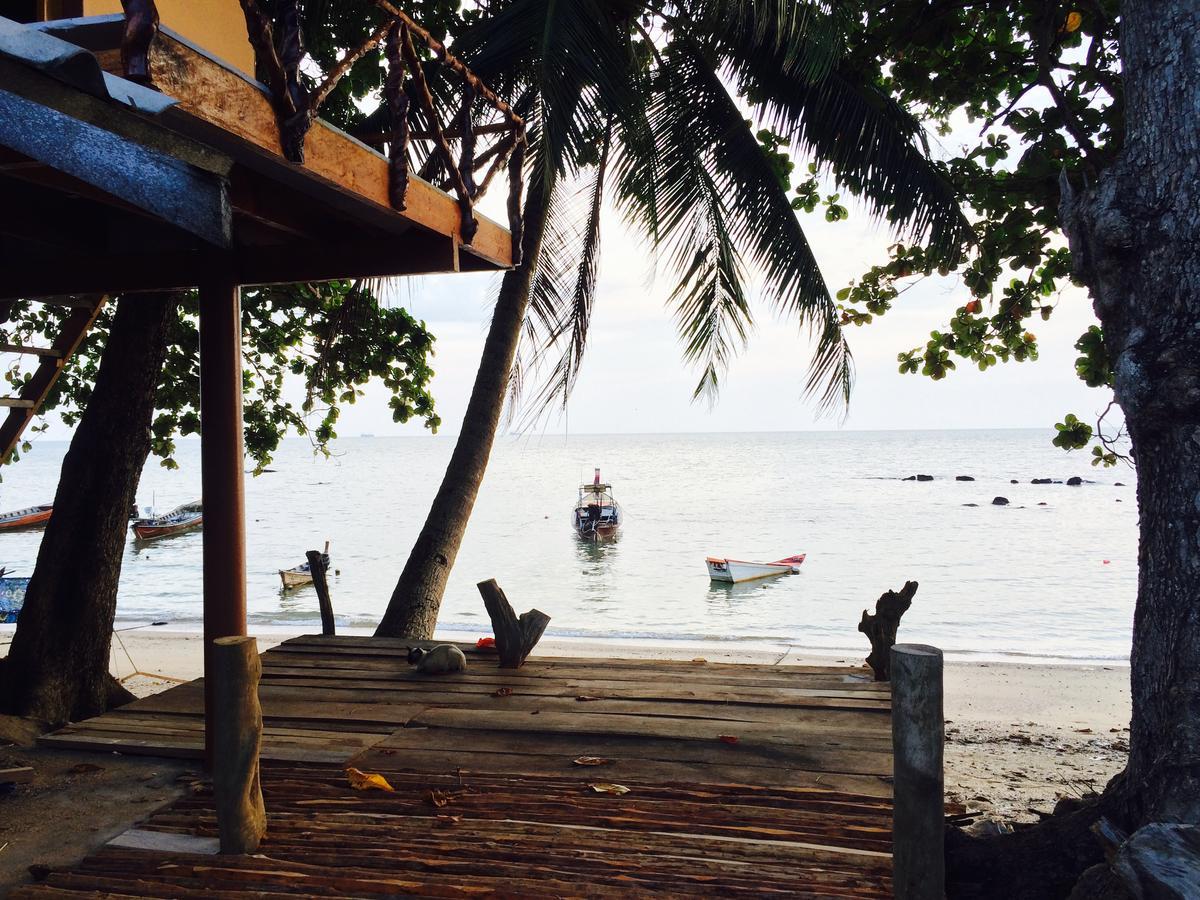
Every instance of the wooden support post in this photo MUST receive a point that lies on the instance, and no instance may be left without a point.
(515, 637)
(221, 462)
(918, 739)
(237, 791)
(316, 565)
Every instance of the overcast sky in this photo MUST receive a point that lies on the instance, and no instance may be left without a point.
(634, 378)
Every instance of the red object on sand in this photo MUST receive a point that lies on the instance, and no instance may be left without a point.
(485, 644)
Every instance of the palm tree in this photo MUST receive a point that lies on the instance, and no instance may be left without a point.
(655, 104)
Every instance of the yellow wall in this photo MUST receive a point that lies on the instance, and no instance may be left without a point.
(216, 25)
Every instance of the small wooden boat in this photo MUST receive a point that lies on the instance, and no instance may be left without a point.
(12, 597)
(183, 518)
(738, 570)
(30, 517)
(597, 514)
(300, 575)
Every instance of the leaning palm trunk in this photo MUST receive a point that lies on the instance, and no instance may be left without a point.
(412, 611)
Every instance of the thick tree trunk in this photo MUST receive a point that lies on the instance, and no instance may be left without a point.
(57, 666)
(1135, 239)
(412, 611)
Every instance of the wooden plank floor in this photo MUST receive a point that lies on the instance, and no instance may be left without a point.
(742, 780)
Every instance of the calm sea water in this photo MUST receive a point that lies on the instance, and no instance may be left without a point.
(1056, 581)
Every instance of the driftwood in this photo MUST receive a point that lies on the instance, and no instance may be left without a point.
(1160, 860)
(237, 792)
(881, 628)
(316, 565)
(515, 637)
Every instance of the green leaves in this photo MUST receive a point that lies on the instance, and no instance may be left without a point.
(1072, 434)
(1093, 366)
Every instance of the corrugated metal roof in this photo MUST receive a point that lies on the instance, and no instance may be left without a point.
(75, 66)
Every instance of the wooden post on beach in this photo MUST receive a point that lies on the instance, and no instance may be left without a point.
(316, 565)
(237, 733)
(918, 738)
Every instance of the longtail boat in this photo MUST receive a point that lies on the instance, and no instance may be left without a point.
(30, 517)
(737, 570)
(298, 576)
(183, 518)
(597, 514)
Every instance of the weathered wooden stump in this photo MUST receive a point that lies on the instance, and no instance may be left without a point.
(237, 733)
(515, 636)
(316, 565)
(881, 628)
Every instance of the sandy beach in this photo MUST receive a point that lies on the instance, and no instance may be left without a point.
(1019, 737)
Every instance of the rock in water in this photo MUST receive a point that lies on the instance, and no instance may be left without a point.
(924, 478)
(963, 478)
(999, 501)
(1074, 481)
(1042, 481)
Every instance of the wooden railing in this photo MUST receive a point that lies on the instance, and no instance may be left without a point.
(417, 137)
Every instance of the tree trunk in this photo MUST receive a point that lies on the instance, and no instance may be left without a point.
(412, 611)
(1134, 239)
(57, 666)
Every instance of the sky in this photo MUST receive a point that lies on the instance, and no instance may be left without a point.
(634, 378)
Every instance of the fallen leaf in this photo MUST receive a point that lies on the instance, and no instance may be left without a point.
(727, 738)
(502, 692)
(448, 821)
(699, 661)
(592, 761)
(437, 798)
(586, 698)
(1074, 20)
(364, 781)
(603, 787)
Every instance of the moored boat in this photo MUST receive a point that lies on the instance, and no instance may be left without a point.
(597, 513)
(737, 570)
(183, 518)
(30, 517)
(298, 576)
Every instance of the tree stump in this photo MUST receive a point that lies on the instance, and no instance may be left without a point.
(237, 733)
(316, 565)
(881, 628)
(515, 637)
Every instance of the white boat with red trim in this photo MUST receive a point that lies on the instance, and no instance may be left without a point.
(738, 570)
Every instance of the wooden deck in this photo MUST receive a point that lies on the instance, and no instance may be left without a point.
(741, 779)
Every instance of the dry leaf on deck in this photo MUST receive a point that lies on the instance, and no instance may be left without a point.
(699, 661)
(586, 698)
(502, 692)
(367, 781)
(727, 738)
(447, 821)
(604, 787)
(592, 761)
(438, 798)
(85, 768)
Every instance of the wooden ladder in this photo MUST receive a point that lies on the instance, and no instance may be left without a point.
(23, 408)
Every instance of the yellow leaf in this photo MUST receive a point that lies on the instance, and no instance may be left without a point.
(606, 788)
(363, 781)
(1074, 20)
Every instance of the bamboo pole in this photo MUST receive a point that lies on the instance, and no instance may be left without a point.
(237, 791)
(918, 738)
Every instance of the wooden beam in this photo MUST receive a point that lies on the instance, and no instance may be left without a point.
(221, 468)
(16, 403)
(230, 105)
(30, 351)
(414, 254)
(183, 195)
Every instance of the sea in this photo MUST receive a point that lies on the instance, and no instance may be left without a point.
(1049, 577)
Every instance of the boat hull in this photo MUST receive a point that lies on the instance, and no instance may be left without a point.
(153, 532)
(293, 578)
(26, 518)
(735, 571)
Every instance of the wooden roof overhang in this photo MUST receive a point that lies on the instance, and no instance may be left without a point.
(114, 194)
